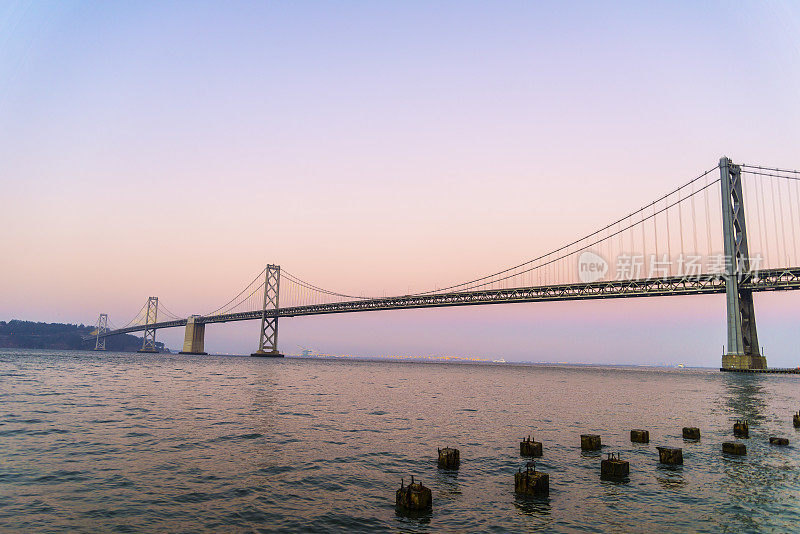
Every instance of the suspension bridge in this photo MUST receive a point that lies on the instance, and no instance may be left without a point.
(697, 239)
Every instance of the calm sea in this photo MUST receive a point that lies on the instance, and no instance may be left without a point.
(135, 443)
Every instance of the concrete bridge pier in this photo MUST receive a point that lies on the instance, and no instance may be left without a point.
(194, 338)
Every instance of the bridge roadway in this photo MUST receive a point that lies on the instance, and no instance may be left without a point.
(764, 280)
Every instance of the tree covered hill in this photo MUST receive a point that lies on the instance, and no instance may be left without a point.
(30, 335)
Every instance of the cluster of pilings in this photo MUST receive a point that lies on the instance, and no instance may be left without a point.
(417, 498)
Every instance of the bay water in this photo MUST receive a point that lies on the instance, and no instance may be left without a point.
(112, 442)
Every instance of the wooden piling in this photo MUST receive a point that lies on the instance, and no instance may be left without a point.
(414, 497)
(590, 442)
(741, 429)
(690, 432)
(613, 467)
(449, 458)
(532, 482)
(529, 447)
(670, 455)
(734, 447)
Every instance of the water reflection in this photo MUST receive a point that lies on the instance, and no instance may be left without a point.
(447, 482)
(670, 476)
(413, 517)
(745, 396)
(747, 479)
(534, 506)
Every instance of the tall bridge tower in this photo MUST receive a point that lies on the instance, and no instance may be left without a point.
(102, 328)
(151, 317)
(742, 351)
(268, 338)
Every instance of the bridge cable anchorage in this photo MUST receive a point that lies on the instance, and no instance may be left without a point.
(529, 265)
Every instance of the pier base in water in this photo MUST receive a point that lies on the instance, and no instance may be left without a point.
(614, 468)
(529, 447)
(670, 455)
(532, 483)
(690, 432)
(741, 429)
(449, 458)
(271, 354)
(773, 370)
(732, 447)
(415, 497)
(590, 442)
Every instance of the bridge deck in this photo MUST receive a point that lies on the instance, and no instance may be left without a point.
(765, 280)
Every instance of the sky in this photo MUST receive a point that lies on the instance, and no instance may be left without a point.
(175, 148)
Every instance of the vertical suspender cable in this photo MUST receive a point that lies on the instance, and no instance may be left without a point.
(762, 217)
(669, 245)
(644, 244)
(694, 222)
(766, 230)
(783, 226)
(797, 197)
(630, 230)
(774, 216)
(708, 220)
(655, 230)
(680, 222)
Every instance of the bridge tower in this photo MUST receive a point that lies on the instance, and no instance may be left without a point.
(102, 328)
(268, 338)
(149, 340)
(742, 351)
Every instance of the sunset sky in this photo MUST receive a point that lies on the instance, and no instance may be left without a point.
(174, 149)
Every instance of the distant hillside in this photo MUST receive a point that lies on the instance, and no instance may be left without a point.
(29, 335)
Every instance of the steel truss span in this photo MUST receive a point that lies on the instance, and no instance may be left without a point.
(767, 280)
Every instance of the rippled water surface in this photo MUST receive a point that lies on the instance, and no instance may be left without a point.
(130, 442)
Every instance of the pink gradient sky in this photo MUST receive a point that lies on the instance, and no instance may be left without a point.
(173, 150)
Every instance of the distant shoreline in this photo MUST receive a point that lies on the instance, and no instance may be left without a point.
(18, 334)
